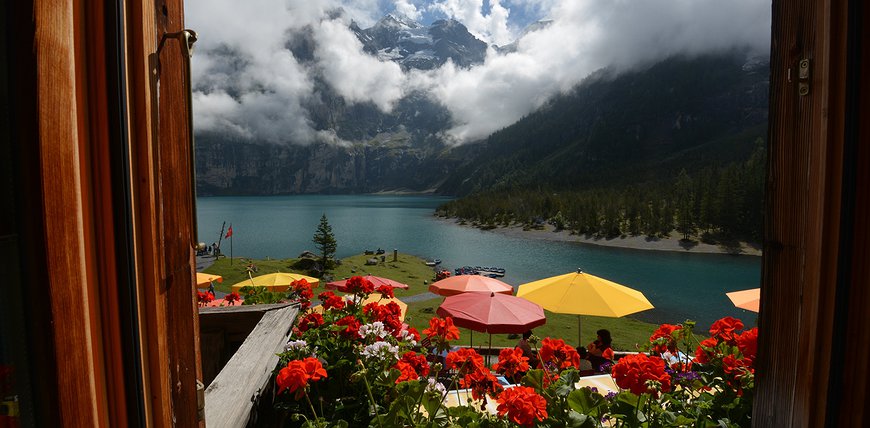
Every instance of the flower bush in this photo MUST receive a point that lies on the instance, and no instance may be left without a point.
(354, 365)
(204, 298)
(232, 298)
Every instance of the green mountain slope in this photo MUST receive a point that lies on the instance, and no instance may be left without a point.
(682, 113)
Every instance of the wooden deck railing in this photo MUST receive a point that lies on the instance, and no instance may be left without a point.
(231, 399)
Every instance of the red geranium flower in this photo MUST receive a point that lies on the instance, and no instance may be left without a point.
(725, 329)
(386, 291)
(302, 289)
(412, 366)
(510, 362)
(557, 353)
(351, 325)
(232, 298)
(359, 285)
(297, 374)
(522, 405)
(312, 320)
(292, 377)
(732, 364)
(314, 369)
(442, 329)
(417, 361)
(748, 344)
(706, 350)
(481, 382)
(408, 372)
(466, 360)
(387, 314)
(330, 301)
(204, 298)
(636, 372)
(663, 338)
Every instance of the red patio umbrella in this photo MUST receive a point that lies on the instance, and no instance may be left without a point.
(376, 280)
(464, 283)
(492, 313)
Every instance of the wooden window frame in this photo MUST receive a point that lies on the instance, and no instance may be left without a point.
(814, 329)
(113, 235)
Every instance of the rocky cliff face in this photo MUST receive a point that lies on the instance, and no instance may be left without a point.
(234, 168)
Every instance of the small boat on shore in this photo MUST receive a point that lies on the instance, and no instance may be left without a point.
(492, 272)
(433, 262)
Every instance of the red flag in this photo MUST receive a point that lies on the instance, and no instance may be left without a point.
(229, 232)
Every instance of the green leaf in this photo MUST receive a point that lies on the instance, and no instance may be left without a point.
(630, 406)
(534, 379)
(576, 420)
(585, 401)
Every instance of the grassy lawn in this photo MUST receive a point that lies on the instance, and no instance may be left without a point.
(407, 269)
(411, 270)
(626, 332)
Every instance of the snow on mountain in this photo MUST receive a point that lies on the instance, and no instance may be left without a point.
(413, 45)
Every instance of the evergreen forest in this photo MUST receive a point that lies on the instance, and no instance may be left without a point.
(716, 204)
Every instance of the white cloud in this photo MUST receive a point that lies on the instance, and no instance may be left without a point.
(250, 85)
(587, 35)
(355, 75)
(491, 28)
(408, 9)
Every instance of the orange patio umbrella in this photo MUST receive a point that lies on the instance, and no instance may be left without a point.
(204, 279)
(465, 283)
(746, 299)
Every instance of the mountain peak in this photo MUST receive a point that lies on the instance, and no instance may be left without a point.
(397, 20)
(414, 46)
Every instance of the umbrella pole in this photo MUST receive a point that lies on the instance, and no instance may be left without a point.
(471, 338)
(490, 349)
(579, 331)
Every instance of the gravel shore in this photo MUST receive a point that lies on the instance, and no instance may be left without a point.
(633, 242)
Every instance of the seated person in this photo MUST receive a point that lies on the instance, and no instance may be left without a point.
(600, 352)
(585, 365)
(524, 346)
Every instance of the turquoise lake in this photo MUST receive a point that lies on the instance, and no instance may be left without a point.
(680, 285)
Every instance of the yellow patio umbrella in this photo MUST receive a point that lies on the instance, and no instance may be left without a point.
(204, 279)
(279, 281)
(580, 293)
(746, 299)
(374, 297)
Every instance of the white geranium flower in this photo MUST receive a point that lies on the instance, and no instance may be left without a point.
(295, 345)
(375, 329)
(406, 336)
(381, 351)
(436, 388)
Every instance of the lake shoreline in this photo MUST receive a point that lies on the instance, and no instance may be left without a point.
(548, 233)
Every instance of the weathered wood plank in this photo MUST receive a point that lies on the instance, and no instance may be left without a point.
(241, 308)
(235, 391)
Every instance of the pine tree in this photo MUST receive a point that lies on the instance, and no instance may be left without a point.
(685, 205)
(325, 241)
